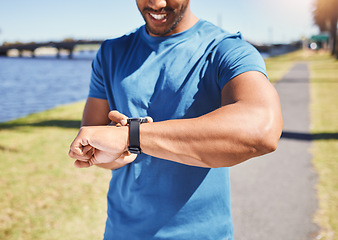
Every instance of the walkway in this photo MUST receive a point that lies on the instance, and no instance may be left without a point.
(274, 196)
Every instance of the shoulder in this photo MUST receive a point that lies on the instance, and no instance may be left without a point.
(234, 50)
(224, 42)
(233, 56)
(234, 43)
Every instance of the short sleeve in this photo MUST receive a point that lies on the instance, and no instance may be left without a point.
(97, 85)
(236, 56)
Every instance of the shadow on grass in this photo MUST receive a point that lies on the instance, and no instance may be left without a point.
(304, 80)
(76, 125)
(309, 136)
(50, 123)
(7, 149)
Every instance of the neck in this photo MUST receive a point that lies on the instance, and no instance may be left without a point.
(188, 21)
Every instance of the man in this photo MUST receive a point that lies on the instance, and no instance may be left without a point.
(210, 106)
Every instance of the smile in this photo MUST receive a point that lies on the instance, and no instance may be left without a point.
(158, 16)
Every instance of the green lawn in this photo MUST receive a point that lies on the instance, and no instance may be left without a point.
(44, 197)
(324, 114)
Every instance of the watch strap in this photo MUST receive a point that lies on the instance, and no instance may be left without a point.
(134, 135)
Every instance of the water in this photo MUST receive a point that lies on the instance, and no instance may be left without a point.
(30, 85)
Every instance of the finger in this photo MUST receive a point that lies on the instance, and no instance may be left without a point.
(80, 158)
(81, 164)
(86, 163)
(126, 154)
(118, 117)
(149, 119)
(87, 153)
(88, 150)
(79, 145)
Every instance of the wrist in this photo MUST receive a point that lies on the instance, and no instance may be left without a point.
(125, 137)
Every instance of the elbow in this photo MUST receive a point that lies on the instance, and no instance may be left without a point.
(267, 146)
(267, 140)
(269, 133)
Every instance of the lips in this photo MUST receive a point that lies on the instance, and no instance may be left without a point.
(161, 17)
(158, 16)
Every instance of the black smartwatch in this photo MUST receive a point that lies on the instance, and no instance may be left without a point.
(134, 134)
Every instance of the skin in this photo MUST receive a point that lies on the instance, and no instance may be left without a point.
(178, 16)
(248, 124)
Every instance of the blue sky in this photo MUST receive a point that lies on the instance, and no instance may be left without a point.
(259, 21)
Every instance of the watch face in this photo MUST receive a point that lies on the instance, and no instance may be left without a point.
(141, 120)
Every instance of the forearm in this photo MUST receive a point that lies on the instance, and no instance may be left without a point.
(223, 138)
(95, 112)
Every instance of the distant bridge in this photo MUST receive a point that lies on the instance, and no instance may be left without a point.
(65, 45)
(69, 45)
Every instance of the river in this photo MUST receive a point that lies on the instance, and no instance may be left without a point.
(30, 85)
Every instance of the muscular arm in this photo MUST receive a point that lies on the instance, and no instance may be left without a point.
(248, 125)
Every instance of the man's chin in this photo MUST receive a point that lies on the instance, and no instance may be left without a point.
(158, 32)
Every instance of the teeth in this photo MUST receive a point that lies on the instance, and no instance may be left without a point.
(158, 16)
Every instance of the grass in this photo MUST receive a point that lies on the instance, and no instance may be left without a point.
(44, 197)
(324, 114)
(324, 119)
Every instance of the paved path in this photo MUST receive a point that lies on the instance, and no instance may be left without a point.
(274, 196)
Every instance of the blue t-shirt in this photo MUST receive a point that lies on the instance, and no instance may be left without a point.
(175, 77)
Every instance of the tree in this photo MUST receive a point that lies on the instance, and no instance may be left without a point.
(325, 16)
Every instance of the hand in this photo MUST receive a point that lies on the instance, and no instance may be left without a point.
(118, 120)
(99, 144)
(105, 146)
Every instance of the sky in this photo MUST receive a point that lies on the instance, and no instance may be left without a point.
(259, 21)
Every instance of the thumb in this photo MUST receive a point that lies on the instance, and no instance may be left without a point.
(117, 117)
(150, 120)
